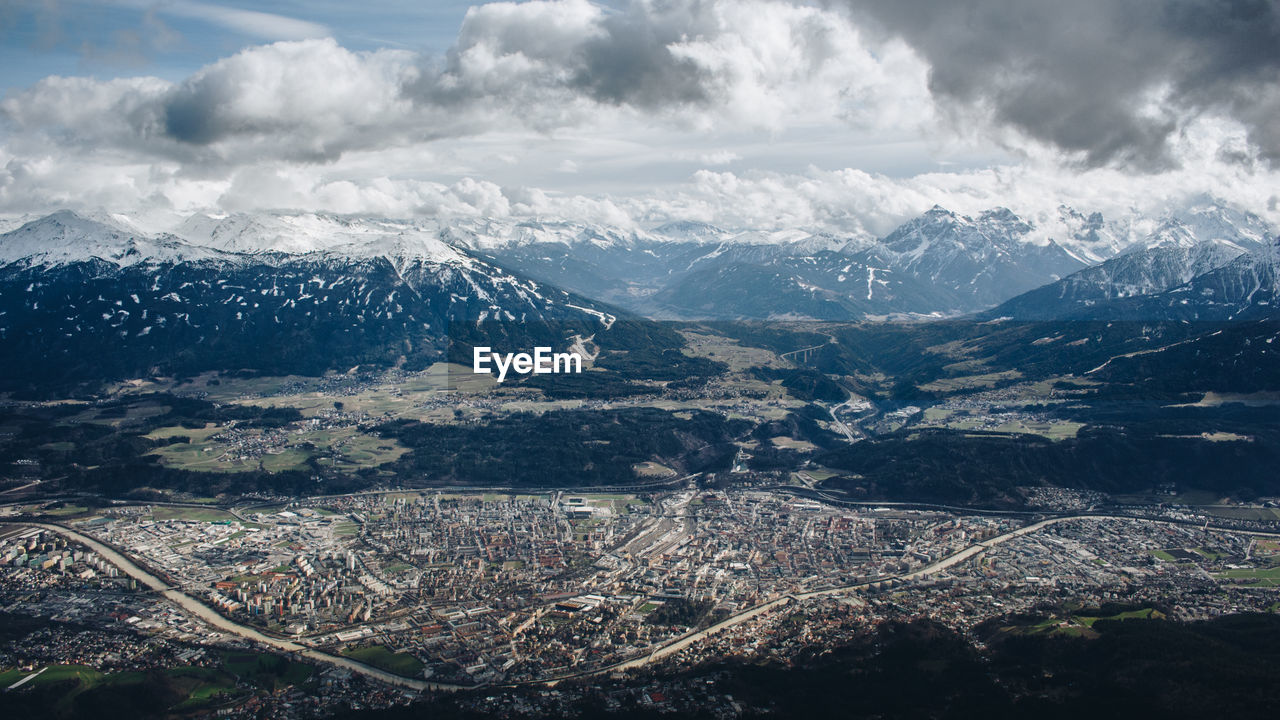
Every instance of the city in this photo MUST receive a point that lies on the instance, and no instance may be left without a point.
(692, 359)
(429, 591)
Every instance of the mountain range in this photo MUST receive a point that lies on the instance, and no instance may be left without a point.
(311, 292)
(90, 298)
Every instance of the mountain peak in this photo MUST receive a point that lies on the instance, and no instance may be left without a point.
(63, 236)
(690, 230)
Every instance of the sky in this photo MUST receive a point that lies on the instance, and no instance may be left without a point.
(841, 115)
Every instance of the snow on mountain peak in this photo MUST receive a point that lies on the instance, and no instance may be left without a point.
(691, 231)
(65, 237)
(301, 234)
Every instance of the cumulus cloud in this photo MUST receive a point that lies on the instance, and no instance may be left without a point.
(307, 100)
(860, 203)
(580, 97)
(540, 65)
(1108, 81)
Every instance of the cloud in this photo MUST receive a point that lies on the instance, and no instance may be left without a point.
(859, 203)
(574, 50)
(715, 157)
(304, 101)
(581, 99)
(308, 100)
(251, 23)
(1111, 82)
(541, 66)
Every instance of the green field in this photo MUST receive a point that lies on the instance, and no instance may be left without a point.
(1244, 513)
(381, 657)
(783, 441)
(1264, 546)
(973, 420)
(1258, 577)
(652, 469)
(729, 351)
(58, 673)
(118, 417)
(1079, 625)
(969, 382)
(201, 685)
(346, 448)
(68, 510)
(1140, 614)
(1052, 430)
(1053, 626)
(200, 457)
(287, 460)
(195, 435)
(270, 672)
(181, 688)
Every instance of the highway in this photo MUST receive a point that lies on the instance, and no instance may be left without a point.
(212, 618)
(672, 647)
(950, 561)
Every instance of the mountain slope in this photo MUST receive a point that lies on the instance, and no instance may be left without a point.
(978, 261)
(1246, 288)
(940, 263)
(1145, 272)
(91, 307)
(1175, 272)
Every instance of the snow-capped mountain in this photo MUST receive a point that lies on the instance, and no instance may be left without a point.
(1247, 287)
(692, 231)
(820, 286)
(1132, 274)
(938, 264)
(1208, 221)
(1091, 238)
(305, 234)
(1175, 255)
(81, 300)
(66, 237)
(980, 261)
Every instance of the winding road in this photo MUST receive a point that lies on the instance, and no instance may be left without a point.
(212, 618)
(208, 615)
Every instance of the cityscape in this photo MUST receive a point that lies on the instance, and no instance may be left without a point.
(633, 359)
(431, 591)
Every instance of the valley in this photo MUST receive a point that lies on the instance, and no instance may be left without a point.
(293, 452)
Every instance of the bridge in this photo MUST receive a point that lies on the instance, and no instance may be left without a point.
(803, 354)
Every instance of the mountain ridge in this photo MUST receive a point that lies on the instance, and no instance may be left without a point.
(937, 264)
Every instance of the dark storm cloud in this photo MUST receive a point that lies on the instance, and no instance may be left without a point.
(632, 63)
(1082, 74)
(576, 50)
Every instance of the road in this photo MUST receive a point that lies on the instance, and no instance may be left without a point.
(688, 639)
(950, 561)
(212, 618)
(216, 620)
(848, 433)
